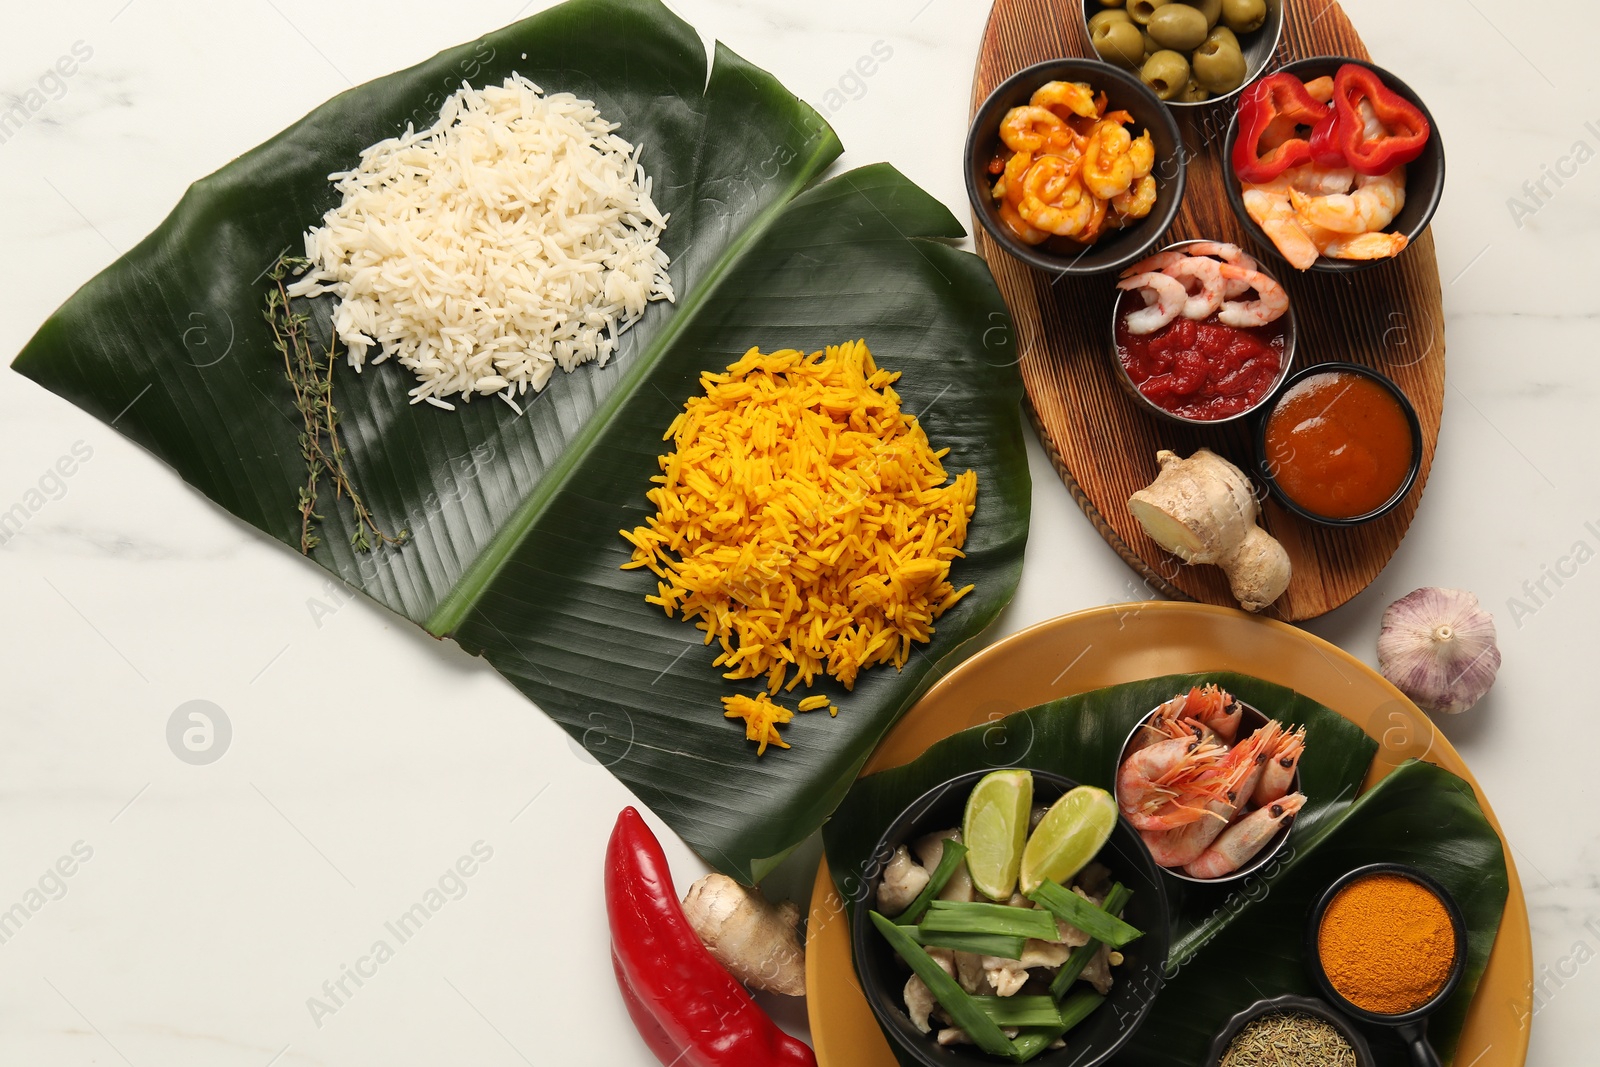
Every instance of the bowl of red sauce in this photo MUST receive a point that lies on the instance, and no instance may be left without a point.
(1209, 369)
(1341, 445)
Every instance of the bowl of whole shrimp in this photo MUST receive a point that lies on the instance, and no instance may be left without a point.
(1211, 784)
(1074, 166)
(1201, 333)
(1326, 213)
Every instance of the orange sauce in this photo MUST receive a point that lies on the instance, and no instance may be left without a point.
(1338, 444)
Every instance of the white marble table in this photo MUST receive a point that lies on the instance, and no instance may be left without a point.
(208, 904)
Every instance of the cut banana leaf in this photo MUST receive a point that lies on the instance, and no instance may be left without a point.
(514, 548)
(1238, 942)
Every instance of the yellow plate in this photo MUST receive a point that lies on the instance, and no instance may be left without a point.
(1106, 646)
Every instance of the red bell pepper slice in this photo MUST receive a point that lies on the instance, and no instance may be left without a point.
(1406, 129)
(1276, 101)
(1326, 149)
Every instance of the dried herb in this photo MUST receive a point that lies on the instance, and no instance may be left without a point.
(310, 373)
(1289, 1039)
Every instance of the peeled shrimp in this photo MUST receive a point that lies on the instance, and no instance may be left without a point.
(1273, 211)
(1270, 302)
(1202, 280)
(1368, 209)
(1019, 226)
(1076, 97)
(1278, 773)
(1364, 245)
(1228, 253)
(1169, 299)
(1107, 168)
(1137, 201)
(1164, 786)
(1142, 154)
(1032, 129)
(1158, 262)
(1240, 842)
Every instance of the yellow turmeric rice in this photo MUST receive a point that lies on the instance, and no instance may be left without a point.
(804, 521)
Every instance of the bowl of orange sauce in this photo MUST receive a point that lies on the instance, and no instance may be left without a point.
(1341, 444)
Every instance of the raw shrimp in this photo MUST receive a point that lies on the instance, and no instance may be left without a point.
(1075, 97)
(1278, 772)
(1202, 280)
(1107, 170)
(1164, 786)
(1240, 842)
(1270, 302)
(1368, 209)
(1271, 208)
(1032, 129)
(1170, 296)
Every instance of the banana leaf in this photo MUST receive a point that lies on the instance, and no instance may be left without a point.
(514, 519)
(1235, 943)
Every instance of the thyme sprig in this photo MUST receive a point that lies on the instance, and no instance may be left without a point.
(310, 374)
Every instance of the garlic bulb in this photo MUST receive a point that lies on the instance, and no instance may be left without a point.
(1438, 647)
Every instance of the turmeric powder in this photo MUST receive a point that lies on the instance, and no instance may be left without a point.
(1386, 944)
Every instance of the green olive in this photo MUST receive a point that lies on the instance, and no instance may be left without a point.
(1193, 93)
(1119, 42)
(1211, 9)
(1106, 18)
(1242, 16)
(1218, 63)
(1150, 46)
(1141, 10)
(1166, 73)
(1178, 26)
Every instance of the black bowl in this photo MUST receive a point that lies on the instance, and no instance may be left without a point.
(1424, 175)
(1258, 46)
(1291, 1003)
(1252, 720)
(883, 975)
(1320, 977)
(1264, 465)
(1119, 248)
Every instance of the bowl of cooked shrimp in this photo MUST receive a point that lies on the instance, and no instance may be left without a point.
(1211, 785)
(1333, 164)
(1201, 333)
(1074, 167)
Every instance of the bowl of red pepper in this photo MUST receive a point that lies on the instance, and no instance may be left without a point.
(1314, 154)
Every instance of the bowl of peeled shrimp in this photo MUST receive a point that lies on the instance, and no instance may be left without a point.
(1074, 166)
(1211, 785)
(1201, 333)
(1338, 211)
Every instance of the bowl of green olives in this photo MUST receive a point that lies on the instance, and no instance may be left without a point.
(1189, 52)
(1114, 248)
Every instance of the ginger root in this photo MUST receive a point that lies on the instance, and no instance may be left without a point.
(757, 941)
(1203, 510)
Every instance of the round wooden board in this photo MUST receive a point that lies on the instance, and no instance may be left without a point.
(1103, 444)
(1122, 643)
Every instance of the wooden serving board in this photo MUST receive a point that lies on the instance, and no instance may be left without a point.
(1103, 444)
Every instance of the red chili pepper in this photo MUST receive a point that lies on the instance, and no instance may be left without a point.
(697, 1005)
(1276, 101)
(1406, 129)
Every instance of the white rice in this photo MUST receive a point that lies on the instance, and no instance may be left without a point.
(515, 235)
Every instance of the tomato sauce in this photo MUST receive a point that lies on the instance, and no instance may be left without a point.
(1201, 370)
(1338, 444)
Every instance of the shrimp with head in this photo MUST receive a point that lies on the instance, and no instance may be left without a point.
(1166, 784)
(1241, 842)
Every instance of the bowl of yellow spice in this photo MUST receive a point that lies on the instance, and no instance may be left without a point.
(1386, 944)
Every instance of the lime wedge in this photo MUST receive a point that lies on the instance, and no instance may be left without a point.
(994, 829)
(1075, 828)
